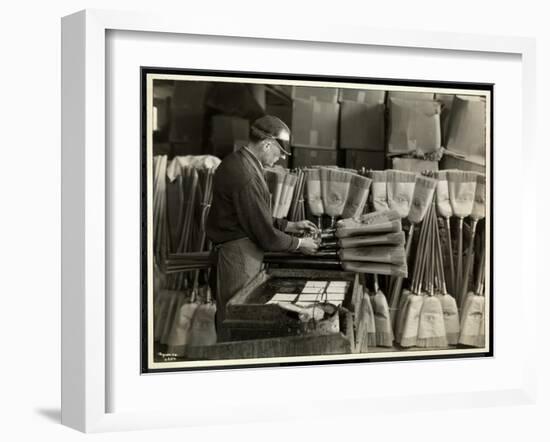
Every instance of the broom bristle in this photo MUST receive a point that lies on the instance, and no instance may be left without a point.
(384, 332)
(360, 181)
(357, 196)
(378, 175)
(397, 238)
(423, 195)
(461, 176)
(380, 217)
(392, 255)
(425, 182)
(339, 176)
(313, 174)
(409, 332)
(400, 176)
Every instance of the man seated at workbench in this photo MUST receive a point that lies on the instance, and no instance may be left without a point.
(240, 224)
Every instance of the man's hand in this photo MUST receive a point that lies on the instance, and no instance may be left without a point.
(308, 246)
(304, 226)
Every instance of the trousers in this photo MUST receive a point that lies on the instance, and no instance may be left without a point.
(237, 262)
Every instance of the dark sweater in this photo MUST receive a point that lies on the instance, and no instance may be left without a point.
(241, 206)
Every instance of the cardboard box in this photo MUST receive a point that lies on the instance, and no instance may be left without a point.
(362, 95)
(186, 126)
(414, 165)
(449, 162)
(467, 128)
(414, 126)
(446, 101)
(228, 134)
(282, 111)
(324, 94)
(305, 157)
(314, 124)
(362, 126)
(356, 159)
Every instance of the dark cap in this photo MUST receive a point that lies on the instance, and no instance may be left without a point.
(272, 128)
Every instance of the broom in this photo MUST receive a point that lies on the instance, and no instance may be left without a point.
(462, 186)
(385, 254)
(431, 324)
(334, 191)
(377, 268)
(422, 197)
(314, 198)
(397, 238)
(357, 196)
(448, 303)
(472, 324)
(400, 187)
(478, 213)
(378, 217)
(363, 317)
(382, 322)
(360, 229)
(378, 190)
(285, 200)
(445, 210)
(410, 306)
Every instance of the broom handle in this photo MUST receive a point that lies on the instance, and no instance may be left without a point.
(450, 249)
(428, 251)
(481, 269)
(458, 272)
(440, 265)
(433, 263)
(421, 255)
(469, 256)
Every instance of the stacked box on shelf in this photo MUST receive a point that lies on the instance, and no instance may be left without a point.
(467, 129)
(228, 134)
(305, 157)
(446, 101)
(187, 117)
(315, 117)
(414, 125)
(449, 162)
(356, 159)
(362, 128)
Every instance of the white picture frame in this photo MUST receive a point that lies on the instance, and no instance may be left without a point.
(86, 351)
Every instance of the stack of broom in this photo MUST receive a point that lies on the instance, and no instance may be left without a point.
(421, 320)
(183, 304)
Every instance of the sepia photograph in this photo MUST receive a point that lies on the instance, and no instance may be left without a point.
(298, 220)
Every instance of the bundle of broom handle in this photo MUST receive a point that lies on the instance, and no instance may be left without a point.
(452, 282)
(440, 265)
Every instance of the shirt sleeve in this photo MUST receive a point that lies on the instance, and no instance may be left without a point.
(280, 224)
(256, 220)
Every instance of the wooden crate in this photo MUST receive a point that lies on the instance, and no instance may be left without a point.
(249, 317)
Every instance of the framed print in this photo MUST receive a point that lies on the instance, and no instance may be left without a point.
(379, 133)
(154, 113)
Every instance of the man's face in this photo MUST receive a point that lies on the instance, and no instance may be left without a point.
(271, 153)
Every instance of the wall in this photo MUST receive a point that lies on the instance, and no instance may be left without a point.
(30, 183)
